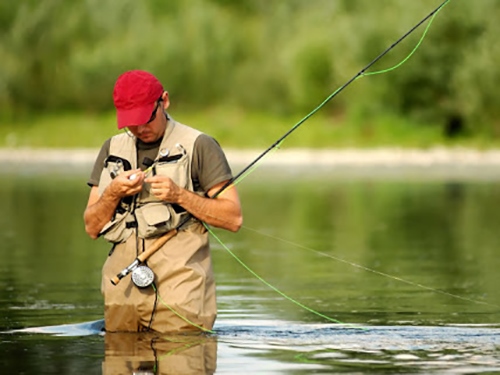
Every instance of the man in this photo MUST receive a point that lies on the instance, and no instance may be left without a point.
(145, 182)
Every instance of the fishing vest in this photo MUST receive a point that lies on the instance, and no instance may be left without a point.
(144, 212)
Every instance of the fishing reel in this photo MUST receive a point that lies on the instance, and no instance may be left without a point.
(143, 276)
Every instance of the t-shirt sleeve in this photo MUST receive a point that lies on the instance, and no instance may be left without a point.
(210, 165)
(95, 175)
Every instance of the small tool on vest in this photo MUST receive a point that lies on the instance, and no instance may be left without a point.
(149, 163)
(116, 168)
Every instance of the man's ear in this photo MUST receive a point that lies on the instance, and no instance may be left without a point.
(165, 99)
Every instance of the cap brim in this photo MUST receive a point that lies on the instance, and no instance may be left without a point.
(135, 116)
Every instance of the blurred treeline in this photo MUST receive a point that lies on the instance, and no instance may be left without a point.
(278, 56)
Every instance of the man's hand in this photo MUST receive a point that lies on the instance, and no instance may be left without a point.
(101, 208)
(126, 184)
(223, 212)
(164, 188)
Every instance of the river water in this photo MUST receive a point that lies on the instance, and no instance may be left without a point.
(352, 271)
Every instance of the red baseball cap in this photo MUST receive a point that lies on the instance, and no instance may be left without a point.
(135, 96)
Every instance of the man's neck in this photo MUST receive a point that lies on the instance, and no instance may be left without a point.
(148, 146)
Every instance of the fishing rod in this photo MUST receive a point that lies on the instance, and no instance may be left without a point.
(143, 276)
(335, 93)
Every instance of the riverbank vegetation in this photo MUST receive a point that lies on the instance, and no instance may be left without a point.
(245, 71)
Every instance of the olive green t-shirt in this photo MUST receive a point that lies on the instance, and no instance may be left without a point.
(209, 166)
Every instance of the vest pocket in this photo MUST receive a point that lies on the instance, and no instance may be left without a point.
(116, 231)
(155, 218)
(177, 169)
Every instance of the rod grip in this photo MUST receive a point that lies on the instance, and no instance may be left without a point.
(156, 245)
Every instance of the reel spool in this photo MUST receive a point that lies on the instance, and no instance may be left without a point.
(143, 276)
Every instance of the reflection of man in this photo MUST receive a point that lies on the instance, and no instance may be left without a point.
(148, 354)
(131, 204)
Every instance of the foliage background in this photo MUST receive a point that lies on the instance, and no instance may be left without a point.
(248, 63)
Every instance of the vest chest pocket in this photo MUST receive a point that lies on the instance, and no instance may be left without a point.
(155, 218)
(113, 166)
(117, 231)
(177, 168)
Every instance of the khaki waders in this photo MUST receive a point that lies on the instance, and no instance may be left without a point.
(183, 278)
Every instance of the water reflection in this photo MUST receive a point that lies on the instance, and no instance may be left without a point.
(439, 234)
(149, 354)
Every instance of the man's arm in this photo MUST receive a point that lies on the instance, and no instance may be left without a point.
(100, 209)
(224, 211)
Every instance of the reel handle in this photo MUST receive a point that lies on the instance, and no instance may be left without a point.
(145, 255)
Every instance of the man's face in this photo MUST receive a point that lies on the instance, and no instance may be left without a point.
(154, 128)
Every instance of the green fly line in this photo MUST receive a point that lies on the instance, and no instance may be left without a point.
(247, 171)
(294, 244)
(254, 165)
(276, 289)
(179, 314)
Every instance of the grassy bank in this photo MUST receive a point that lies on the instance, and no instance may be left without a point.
(239, 129)
(281, 57)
